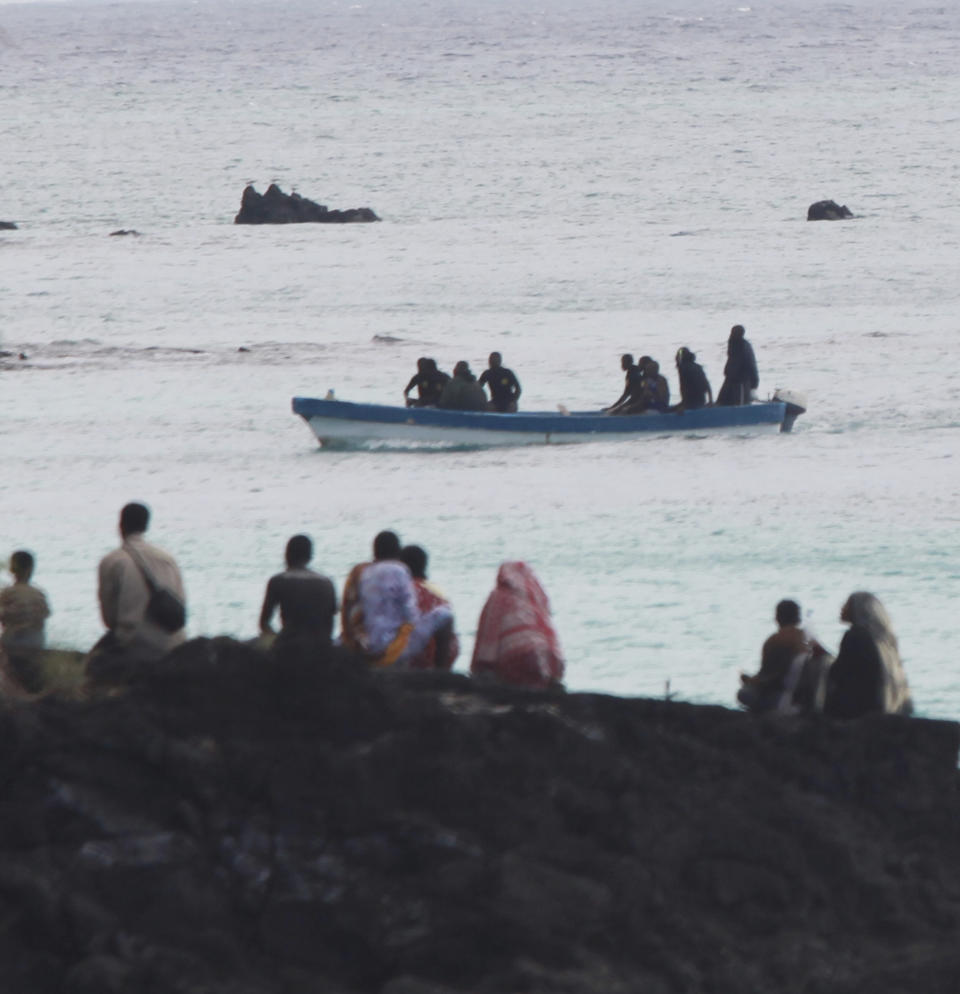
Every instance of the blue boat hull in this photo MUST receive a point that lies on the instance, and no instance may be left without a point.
(340, 423)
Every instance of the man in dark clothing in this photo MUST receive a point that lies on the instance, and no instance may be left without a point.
(503, 384)
(307, 599)
(740, 372)
(462, 392)
(656, 390)
(695, 389)
(429, 382)
(632, 385)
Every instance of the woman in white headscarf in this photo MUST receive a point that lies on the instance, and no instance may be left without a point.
(867, 676)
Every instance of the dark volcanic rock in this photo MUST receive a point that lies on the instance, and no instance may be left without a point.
(827, 210)
(7, 226)
(277, 207)
(235, 823)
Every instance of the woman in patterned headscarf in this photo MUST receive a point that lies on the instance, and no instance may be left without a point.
(516, 641)
(867, 676)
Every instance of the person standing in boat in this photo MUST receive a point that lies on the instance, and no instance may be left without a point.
(740, 373)
(695, 389)
(632, 385)
(462, 392)
(429, 382)
(503, 385)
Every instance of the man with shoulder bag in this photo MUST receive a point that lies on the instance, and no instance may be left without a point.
(142, 602)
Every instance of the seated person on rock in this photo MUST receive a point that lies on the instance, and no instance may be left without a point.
(516, 641)
(792, 667)
(429, 382)
(632, 385)
(503, 383)
(695, 389)
(428, 597)
(307, 600)
(380, 617)
(867, 676)
(462, 392)
(23, 614)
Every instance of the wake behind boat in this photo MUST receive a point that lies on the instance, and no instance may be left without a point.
(342, 424)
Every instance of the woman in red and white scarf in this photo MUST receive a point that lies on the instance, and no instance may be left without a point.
(516, 641)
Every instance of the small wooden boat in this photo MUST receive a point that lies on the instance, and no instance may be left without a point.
(341, 424)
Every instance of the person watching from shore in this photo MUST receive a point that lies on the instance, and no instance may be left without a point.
(867, 676)
(632, 386)
(380, 618)
(386, 545)
(127, 578)
(429, 382)
(516, 641)
(740, 378)
(503, 385)
(695, 389)
(307, 600)
(792, 664)
(428, 597)
(23, 614)
(462, 392)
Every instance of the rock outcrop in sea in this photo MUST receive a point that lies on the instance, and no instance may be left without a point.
(276, 207)
(237, 823)
(828, 210)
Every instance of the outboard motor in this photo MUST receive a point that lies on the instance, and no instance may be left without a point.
(796, 405)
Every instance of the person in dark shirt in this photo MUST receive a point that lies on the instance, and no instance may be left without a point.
(503, 385)
(867, 676)
(307, 599)
(656, 390)
(740, 377)
(695, 389)
(632, 385)
(429, 382)
(462, 392)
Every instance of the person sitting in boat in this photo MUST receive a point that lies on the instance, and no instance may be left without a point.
(428, 597)
(516, 641)
(695, 389)
(462, 392)
(380, 617)
(740, 377)
(867, 676)
(503, 385)
(656, 390)
(792, 666)
(429, 382)
(632, 385)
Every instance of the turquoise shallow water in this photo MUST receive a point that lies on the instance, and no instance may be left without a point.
(562, 185)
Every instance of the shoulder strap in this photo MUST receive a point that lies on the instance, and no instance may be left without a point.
(142, 566)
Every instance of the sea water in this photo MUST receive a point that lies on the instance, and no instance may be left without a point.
(561, 182)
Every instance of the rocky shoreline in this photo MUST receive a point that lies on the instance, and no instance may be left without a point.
(243, 823)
